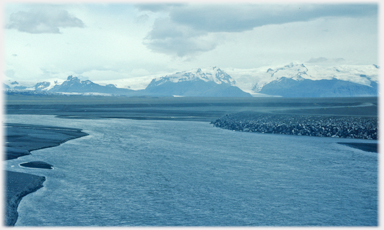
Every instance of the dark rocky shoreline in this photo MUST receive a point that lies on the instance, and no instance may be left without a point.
(368, 147)
(357, 127)
(18, 185)
(37, 164)
(21, 139)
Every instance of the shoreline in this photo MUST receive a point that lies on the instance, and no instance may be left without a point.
(302, 161)
(368, 147)
(22, 184)
(19, 185)
(21, 140)
(353, 127)
(19, 143)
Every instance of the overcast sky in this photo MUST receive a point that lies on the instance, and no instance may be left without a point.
(102, 41)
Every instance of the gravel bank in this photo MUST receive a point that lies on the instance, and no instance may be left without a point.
(306, 125)
(20, 140)
(18, 185)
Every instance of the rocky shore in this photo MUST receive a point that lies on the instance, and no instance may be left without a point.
(18, 185)
(21, 139)
(357, 127)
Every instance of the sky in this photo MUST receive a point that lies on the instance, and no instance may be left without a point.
(101, 41)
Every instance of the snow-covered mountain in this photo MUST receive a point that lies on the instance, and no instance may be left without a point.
(213, 74)
(208, 82)
(75, 85)
(301, 87)
(47, 85)
(16, 85)
(294, 79)
(253, 80)
(212, 82)
(299, 80)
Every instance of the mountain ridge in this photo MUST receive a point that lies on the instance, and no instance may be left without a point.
(215, 82)
(208, 74)
(287, 87)
(210, 82)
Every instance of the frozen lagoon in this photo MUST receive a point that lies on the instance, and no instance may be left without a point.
(185, 173)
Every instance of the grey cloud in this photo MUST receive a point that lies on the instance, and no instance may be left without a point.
(339, 59)
(10, 73)
(317, 60)
(164, 28)
(170, 38)
(43, 20)
(182, 33)
(156, 7)
(181, 46)
(142, 18)
(325, 60)
(237, 18)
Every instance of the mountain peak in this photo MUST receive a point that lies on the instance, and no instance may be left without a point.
(212, 74)
(111, 85)
(292, 64)
(71, 78)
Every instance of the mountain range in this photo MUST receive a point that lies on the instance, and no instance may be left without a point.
(75, 85)
(292, 80)
(210, 82)
(287, 87)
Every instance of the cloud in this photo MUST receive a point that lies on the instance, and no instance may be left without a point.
(45, 19)
(237, 18)
(142, 18)
(325, 60)
(157, 7)
(317, 60)
(338, 59)
(174, 39)
(188, 26)
(10, 73)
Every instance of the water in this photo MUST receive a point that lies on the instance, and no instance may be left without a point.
(179, 173)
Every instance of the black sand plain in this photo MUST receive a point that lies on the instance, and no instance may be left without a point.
(21, 139)
(183, 108)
